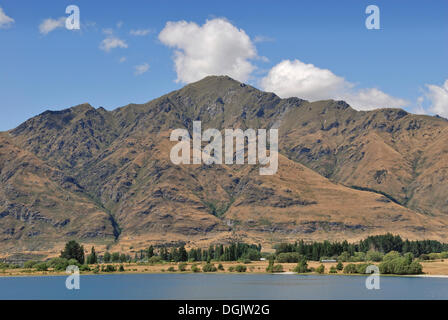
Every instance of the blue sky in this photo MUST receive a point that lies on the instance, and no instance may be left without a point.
(404, 63)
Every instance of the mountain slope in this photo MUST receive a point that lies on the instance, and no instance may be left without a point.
(343, 174)
(41, 206)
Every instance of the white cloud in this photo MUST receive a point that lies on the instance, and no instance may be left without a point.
(438, 96)
(295, 78)
(49, 25)
(215, 48)
(140, 32)
(5, 21)
(119, 24)
(372, 98)
(123, 59)
(112, 42)
(298, 79)
(141, 69)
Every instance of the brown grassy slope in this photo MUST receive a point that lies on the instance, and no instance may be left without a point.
(40, 206)
(386, 150)
(121, 159)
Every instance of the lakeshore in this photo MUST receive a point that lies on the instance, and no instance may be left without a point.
(431, 269)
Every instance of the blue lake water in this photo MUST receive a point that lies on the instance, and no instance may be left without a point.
(222, 286)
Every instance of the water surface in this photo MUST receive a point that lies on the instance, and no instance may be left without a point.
(222, 286)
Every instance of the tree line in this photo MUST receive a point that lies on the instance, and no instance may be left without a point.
(380, 243)
(232, 252)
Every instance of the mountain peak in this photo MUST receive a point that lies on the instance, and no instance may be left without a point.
(215, 83)
(82, 107)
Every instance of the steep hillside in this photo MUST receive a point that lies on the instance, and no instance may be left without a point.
(41, 206)
(343, 174)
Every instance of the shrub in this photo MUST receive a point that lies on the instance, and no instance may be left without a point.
(350, 268)
(391, 256)
(288, 257)
(340, 266)
(231, 269)
(155, 259)
(333, 269)
(8, 266)
(220, 267)
(74, 262)
(121, 269)
(374, 256)
(209, 268)
(171, 269)
(241, 268)
(195, 268)
(302, 266)
(42, 266)
(84, 267)
(109, 268)
(30, 264)
(358, 257)
(252, 255)
(182, 266)
(361, 268)
(320, 269)
(274, 268)
(60, 264)
(344, 257)
(401, 265)
(96, 269)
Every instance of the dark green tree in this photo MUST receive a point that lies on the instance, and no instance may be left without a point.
(183, 255)
(116, 257)
(92, 258)
(150, 251)
(73, 250)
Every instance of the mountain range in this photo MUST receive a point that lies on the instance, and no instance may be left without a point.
(105, 177)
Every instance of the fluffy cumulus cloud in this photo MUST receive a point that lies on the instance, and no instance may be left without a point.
(5, 21)
(299, 79)
(372, 98)
(141, 69)
(438, 97)
(215, 48)
(112, 42)
(49, 25)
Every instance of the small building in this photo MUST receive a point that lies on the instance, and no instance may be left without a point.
(329, 261)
